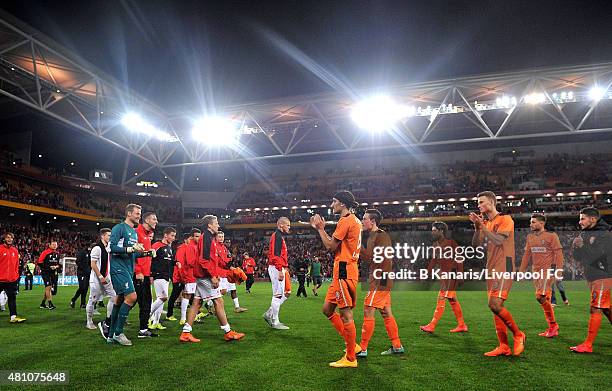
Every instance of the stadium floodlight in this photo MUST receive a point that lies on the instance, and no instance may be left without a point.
(216, 131)
(451, 200)
(440, 200)
(379, 113)
(406, 202)
(463, 199)
(598, 192)
(510, 197)
(596, 93)
(571, 194)
(535, 98)
(584, 193)
(364, 204)
(135, 123)
(560, 195)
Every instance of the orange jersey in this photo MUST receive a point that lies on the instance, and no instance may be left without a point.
(501, 258)
(376, 239)
(348, 232)
(445, 262)
(545, 251)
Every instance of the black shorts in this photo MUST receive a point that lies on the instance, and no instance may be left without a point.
(9, 287)
(49, 279)
(317, 280)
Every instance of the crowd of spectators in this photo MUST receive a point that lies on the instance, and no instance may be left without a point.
(556, 171)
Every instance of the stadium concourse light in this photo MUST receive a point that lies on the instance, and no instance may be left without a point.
(596, 93)
(379, 113)
(216, 131)
(136, 123)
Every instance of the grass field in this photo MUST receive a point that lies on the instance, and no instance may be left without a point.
(297, 359)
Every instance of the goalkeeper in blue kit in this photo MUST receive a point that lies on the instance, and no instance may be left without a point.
(124, 251)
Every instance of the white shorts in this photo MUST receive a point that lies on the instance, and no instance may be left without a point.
(225, 284)
(278, 287)
(161, 287)
(190, 288)
(98, 291)
(205, 290)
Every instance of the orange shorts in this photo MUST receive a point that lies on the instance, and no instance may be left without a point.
(287, 282)
(543, 287)
(447, 294)
(600, 293)
(343, 293)
(499, 288)
(377, 299)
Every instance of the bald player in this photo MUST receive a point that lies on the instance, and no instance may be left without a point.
(345, 243)
(544, 250)
(496, 232)
(379, 289)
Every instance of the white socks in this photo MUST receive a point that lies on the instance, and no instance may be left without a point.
(109, 307)
(186, 328)
(184, 305)
(156, 310)
(276, 303)
(226, 328)
(236, 304)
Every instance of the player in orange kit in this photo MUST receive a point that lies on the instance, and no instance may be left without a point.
(345, 242)
(496, 232)
(379, 289)
(439, 232)
(546, 253)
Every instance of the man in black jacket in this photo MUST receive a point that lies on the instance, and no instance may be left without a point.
(83, 263)
(301, 269)
(593, 248)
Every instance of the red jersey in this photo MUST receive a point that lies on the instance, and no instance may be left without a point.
(187, 259)
(249, 266)
(207, 262)
(9, 263)
(277, 253)
(224, 257)
(48, 258)
(143, 264)
(179, 258)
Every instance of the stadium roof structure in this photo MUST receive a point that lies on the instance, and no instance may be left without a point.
(561, 103)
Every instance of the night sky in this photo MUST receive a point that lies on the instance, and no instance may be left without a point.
(185, 54)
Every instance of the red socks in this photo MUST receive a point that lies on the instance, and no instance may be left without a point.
(366, 332)
(392, 331)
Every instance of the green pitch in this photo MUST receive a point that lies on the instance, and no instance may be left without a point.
(297, 359)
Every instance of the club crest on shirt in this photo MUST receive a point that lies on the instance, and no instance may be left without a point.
(592, 239)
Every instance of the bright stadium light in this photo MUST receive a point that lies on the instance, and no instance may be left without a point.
(379, 113)
(596, 93)
(135, 123)
(216, 131)
(535, 98)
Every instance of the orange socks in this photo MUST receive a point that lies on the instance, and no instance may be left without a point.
(505, 315)
(549, 313)
(594, 323)
(392, 331)
(366, 332)
(458, 313)
(438, 312)
(337, 322)
(350, 334)
(500, 329)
